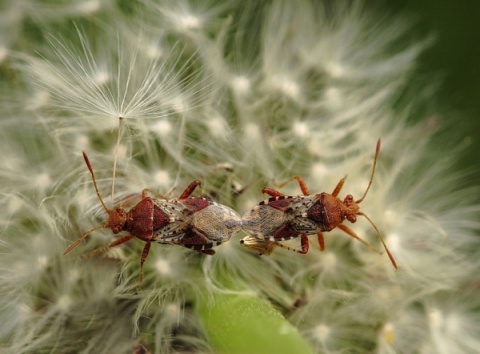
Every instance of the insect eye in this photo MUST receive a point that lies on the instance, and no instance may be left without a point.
(348, 200)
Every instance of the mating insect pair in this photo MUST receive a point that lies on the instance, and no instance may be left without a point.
(284, 217)
(192, 222)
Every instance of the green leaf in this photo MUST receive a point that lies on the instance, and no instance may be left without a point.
(248, 324)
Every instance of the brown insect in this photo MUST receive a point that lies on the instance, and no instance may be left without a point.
(284, 217)
(192, 222)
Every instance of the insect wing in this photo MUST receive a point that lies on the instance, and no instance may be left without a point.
(263, 220)
(216, 222)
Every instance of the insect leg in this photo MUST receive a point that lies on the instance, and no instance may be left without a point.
(304, 243)
(339, 186)
(272, 192)
(349, 232)
(146, 249)
(190, 188)
(272, 244)
(301, 183)
(321, 241)
(104, 248)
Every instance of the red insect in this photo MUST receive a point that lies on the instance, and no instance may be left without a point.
(284, 217)
(195, 223)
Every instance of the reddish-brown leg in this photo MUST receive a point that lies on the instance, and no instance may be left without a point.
(272, 192)
(349, 232)
(304, 243)
(301, 183)
(339, 186)
(104, 248)
(321, 241)
(145, 252)
(189, 190)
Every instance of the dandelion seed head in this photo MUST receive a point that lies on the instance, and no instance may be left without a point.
(241, 85)
(74, 275)
(14, 204)
(89, 7)
(394, 242)
(43, 181)
(321, 332)
(388, 331)
(287, 86)
(64, 303)
(162, 178)
(154, 51)
(319, 171)
(335, 70)
(101, 77)
(329, 261)
(333, 98)
(162, 127)
(390, 216)
(81, 141)
(252, 131)
(188, 22)
(435, 317)
(42, 262)
(178, 104)
(172, 311)
(301, 129)
(40, 99)
(217, 127)
(163, 267)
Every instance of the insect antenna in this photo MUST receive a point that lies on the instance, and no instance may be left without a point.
(381, 239)
(377, 150)
(105, 226)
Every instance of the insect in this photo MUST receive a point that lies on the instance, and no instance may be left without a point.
(192, 222)
(284, 217)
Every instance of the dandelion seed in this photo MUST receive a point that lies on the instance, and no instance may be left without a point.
(188, 22)
(89, 7)
(322, 332)
(217, 127)
(333, 98)
(162, 127)
(301, 129)
(336, 70)
(42, 262)
(172, 311)
(319, 171)
(241, 85)
(329, 261)
(64, 303)
(287, 86)
(43, 181)
(162, 178)
(389, 333)
(163, 267)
